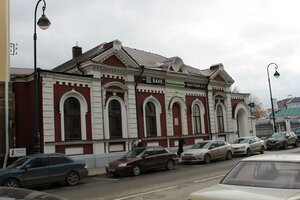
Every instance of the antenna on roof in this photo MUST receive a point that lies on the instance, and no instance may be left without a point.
(76, 43)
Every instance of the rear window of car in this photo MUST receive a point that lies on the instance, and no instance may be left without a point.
(269, 174)
(161, 150)
(58, 159)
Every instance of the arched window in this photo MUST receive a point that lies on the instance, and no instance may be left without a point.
(197, 119)
(115, 119)
(220, 119)
(72, 121)
(151, 120)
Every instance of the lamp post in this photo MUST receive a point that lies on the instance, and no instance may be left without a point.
(276, 75)
(43, 23)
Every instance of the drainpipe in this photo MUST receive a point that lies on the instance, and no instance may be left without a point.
(136, 101)
(208, 113)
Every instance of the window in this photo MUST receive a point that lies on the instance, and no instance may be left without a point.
(39, 162)
(220, 119)
(197, 119)
(115, 119)
(150, 120)
(160, 150)
(72, 119)
(58, 159)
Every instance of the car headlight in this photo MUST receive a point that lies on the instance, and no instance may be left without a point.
(122, 165)
(198, 154)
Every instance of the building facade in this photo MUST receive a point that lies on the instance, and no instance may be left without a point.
(287, 117)
(101, 100)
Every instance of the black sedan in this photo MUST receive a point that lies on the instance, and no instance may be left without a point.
(282, 140)
(141, 159)
(40, 169)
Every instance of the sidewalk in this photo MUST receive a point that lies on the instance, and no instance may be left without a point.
(96, 171)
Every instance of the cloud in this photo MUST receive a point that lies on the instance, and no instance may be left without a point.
(243, 35)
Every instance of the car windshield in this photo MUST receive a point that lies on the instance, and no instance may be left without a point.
(297, 131)
(241, 141)
(18, 163)
(134, 153)
(201, 145)
(278, 135)
(269, 174)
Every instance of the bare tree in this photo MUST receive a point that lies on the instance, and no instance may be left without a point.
(258, 111)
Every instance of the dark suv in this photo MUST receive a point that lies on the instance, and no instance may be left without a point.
(282, 140)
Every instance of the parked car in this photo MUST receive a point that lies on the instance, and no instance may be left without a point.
(297, 132)
(206, 151)
(282, 140)
(9, 193)
(141, 159)
(248, 145)
(40, 169)
(260, 177)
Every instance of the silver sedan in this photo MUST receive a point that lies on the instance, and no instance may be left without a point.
(207, 150)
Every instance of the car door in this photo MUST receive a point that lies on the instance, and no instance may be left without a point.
(289, 138)
(254, 144)
(214, 150)
(149, 160)
(36, 171)
(58, 168)
(162, 156)
(222, 149)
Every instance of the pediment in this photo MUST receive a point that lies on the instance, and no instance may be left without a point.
(114, 61)
(115, 55)
(219, 78)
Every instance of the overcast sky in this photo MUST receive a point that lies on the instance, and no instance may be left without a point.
(244, 35)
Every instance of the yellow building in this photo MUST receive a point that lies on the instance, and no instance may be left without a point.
(4, 65)
(4, 37)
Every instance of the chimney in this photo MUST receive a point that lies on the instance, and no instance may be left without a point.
(77, 51)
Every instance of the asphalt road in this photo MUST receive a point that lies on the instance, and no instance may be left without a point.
(164, 185)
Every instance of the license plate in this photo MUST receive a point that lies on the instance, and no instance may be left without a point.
(111, 169)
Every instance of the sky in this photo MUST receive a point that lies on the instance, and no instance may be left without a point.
(244, 35)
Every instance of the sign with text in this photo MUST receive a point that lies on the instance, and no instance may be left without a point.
(195, 85)
(17, 152)
(153, 80)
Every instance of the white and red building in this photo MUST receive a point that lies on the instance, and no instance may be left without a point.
(100, 100)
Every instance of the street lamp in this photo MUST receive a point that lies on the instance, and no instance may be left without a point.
(43, 23)
(276, 75)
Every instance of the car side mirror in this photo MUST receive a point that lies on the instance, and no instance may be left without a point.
(212, 147)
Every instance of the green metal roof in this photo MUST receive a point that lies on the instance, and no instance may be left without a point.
(288, 112)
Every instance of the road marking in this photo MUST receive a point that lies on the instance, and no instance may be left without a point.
(210, 178)
(107, 179)
(144, 193)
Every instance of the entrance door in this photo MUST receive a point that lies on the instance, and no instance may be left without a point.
(177, 129)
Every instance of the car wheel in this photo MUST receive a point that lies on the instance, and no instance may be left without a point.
(296, 143)
(262, 150)
(12, 182)
(136, 170)
(170, 165)
(72, 178)
(248, 153)
(207, 159)
(228, 155)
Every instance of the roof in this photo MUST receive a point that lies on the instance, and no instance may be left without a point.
(292, 157)
(295, 100)
(147, 59)
(288, 112)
